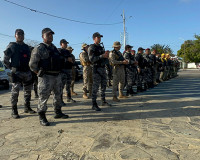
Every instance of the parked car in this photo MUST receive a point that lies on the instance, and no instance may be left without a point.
(79, 70)
(4, 78)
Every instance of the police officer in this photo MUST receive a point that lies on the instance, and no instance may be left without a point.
(70, 49)
(154, 67)
(87, 71)
(131, 70)
(45, 62)
(16, 58)
(97, 57)
(141, 66)
(163, 71)
(159, 67)
(66, 70)
(118, 62)
(108, 70)
(148, 78)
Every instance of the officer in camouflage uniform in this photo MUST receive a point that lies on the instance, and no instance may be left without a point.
(118, 62)
(97, 57)
(154, 66)
(66, 70)
(45, 62)
(70, 49)
(148, 75)
(131, 70)
(159, 67)
(87, 71)
(108, 70)
(16, 58)
(141, 66)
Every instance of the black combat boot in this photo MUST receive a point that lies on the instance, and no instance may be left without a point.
(132, 92)
(139, 89)
(127, 92)
(27, 108)
(95, 107)
(14, 113)
(104, 103)
(43, 119)
(59, 114)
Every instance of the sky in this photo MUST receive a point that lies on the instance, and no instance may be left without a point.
(148, 22)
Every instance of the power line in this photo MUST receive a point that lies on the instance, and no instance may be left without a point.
(55, 16)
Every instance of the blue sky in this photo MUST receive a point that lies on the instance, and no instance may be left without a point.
(153, 21)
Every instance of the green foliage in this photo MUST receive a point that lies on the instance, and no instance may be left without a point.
(162, 49)
(190, 50)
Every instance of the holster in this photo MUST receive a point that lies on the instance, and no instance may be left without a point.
(14, 78)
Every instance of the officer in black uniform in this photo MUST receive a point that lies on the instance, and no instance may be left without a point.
(16, 58)
(97, 57)
(45, 62)
(141, 66)
(66, 69)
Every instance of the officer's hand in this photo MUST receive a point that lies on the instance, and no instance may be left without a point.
(105, 55)
(139, 70)
(70, 59)
(135, 63)
(125, 62)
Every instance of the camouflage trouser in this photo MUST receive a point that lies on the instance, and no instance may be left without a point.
(118, 79)
(87, 78)
(46, 85)
(25, 79)
(154, 72)
(140, 78)
(73, 75)
(148, 75)
(99, 78)
(131, 77)
(66, 79)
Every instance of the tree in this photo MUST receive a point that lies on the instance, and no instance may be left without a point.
(162, 49)
(190, 50)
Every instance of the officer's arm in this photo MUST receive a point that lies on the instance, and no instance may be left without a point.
(7, 56)
(35, 58)
(113, 59)
(92, 57)
(84, 56)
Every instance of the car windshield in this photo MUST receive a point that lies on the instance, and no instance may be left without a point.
(78, 62)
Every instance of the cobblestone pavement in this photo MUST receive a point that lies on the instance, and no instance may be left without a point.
(160, 124)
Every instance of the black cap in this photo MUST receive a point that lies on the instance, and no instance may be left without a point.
(128, 46)
(140, 49)
(63, 41)
(97, 34)
(19, 31)
(47, 30)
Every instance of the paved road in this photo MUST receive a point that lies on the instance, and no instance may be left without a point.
(162, 123)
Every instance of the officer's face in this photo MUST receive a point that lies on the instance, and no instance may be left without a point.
(97, 40)
(147, 51)
(19, 37)
(133, 53)
(117, 48)
(63, 45)
(47, 37)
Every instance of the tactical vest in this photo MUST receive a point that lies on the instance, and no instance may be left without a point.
(52, 63)
(83, 63)
(20, 57)
(64, 55)
(98, 50)
(119, 57)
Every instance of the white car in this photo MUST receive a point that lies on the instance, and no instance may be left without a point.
(4, 78)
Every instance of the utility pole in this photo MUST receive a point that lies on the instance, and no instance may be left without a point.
(124, 29)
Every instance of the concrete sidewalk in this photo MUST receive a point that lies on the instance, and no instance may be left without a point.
(162, 123)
